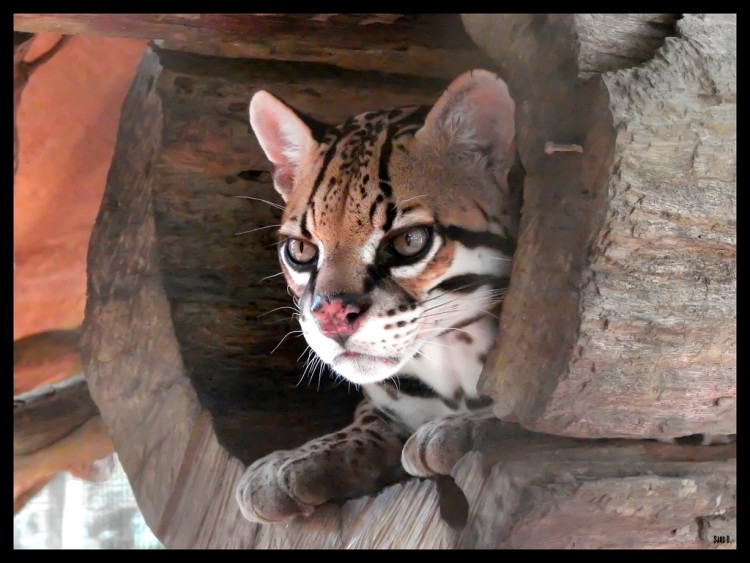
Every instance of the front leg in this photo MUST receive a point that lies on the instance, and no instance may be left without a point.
(436, 446)
(361, 459)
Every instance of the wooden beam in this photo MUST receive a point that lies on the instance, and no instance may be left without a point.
(417, 44)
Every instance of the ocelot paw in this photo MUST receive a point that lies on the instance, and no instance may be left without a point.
(436, 447)
(265, 493)
(359, 460)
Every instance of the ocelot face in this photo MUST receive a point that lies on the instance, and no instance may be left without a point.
(399, 225)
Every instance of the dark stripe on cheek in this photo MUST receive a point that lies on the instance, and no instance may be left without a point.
(467, 283)
(473, 239)
(375, 275)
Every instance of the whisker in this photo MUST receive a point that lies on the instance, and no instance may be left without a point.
(476, 283)
(256, 229)
(473, 299)
(277, 309)
(435, 343)
(307, 349)
(269, 277)
(426, 357)
(446, 329)
(272, 204)
(410, 199)
(284, 338)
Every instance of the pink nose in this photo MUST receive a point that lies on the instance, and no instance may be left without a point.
(338, 316)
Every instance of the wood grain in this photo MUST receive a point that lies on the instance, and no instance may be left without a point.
(621, 316)
(428, 45)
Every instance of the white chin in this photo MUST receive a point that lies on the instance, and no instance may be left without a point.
(363, 368)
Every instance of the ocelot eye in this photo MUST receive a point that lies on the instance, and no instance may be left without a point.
(411, 242)
(301, 252)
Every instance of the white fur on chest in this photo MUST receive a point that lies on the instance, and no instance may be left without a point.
(450, 365)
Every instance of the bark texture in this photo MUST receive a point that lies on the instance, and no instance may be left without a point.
(621, 317)
(177, 357)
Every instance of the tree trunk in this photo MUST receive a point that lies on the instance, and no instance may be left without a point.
(621, 316)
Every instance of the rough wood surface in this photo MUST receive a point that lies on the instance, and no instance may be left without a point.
(54, 428)
(415, 44)
(608, 42)
(177, 360)
(621, 317)
(43, 416)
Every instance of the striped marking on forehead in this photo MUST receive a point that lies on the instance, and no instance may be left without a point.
(348, 171)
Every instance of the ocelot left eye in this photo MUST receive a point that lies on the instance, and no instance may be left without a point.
(411, 242)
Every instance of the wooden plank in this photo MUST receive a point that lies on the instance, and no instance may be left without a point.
(416, 44)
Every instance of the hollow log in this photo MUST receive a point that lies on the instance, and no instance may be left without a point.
(430, 45)
(177, 354)
(621, 316)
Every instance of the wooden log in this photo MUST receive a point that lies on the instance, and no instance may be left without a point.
(178, 361)
(55, 428)
(621, 316)
(44, 416)
(434, 45)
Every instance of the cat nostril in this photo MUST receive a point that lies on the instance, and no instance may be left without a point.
(359, 310)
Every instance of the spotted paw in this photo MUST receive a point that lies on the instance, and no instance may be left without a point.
(263, 493)
(359, 460)
(436, 447)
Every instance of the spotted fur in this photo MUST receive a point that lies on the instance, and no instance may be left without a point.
(357, 195)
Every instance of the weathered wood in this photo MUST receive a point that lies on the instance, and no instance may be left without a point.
(532, 491)
(609, 42)
(415, 44)
(44, 416)
(45, 358)
(621, 316)
(178, 360)
(54, 428)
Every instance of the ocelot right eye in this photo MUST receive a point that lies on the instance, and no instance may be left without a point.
(301, 252)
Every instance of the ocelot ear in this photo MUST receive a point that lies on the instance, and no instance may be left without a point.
(473, 122)
(283, 135)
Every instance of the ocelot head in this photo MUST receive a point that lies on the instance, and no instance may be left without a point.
(399, 224)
